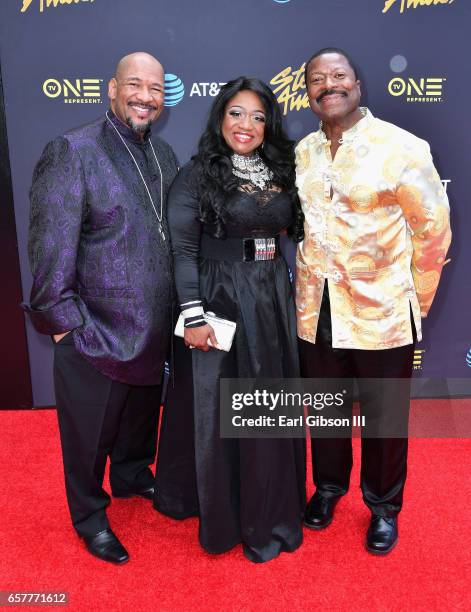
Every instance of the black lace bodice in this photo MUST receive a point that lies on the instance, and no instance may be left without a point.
(249, 212)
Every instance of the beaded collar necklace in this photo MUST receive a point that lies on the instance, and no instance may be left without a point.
(253, 169)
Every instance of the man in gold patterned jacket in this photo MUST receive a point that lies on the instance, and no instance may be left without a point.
(376, 236)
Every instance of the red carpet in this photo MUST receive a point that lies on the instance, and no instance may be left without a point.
(429, 570)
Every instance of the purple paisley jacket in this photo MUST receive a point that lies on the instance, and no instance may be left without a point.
(100, 265)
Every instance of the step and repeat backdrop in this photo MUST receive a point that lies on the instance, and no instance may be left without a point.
(58, 55)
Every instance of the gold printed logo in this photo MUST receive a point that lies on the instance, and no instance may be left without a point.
(413, 4)
(423, 89)
(74, 91)
(50, 4)
(418, 359)
(289, 88)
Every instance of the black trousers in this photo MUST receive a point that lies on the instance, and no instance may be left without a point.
(101, 418)
(383, 460)
(176, 494)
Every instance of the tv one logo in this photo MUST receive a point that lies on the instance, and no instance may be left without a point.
(74, 91)
(423, 89)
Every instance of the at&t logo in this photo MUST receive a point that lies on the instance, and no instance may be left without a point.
(174, 90)
(468, 358)
(74, 91)
(205, 89)
(422, 89)
(51, 4)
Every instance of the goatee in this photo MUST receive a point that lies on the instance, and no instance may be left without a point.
(141, 128)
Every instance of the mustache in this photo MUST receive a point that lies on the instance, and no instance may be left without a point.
(329, 92)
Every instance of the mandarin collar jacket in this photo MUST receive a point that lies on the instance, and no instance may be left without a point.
(376, 228)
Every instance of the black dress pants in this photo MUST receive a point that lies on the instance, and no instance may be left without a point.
(176, 494)
(383, 460)
(101, 418)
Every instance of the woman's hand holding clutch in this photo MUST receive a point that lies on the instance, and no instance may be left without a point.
(199, 337)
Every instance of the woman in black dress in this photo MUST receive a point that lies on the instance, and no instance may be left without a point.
(239, 187)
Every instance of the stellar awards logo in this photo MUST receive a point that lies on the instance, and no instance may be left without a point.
(412, 4)
(50, 4)
(468, 358)
(74, 91)
(289, 88)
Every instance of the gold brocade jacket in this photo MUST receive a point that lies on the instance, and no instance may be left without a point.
(377, 227)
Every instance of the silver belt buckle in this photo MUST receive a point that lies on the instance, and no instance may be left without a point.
(259, 249)
(265, 249)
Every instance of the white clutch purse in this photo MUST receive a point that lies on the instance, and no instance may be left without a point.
(224, 330)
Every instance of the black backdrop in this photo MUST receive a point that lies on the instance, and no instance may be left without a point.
(57, 56)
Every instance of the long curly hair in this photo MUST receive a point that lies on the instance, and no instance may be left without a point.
(213, 165)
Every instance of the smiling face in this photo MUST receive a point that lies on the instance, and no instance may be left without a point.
(137, 91)
(332, 89)
(243, 125)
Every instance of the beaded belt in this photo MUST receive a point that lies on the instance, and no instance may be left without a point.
(259, 249)
(239, 249)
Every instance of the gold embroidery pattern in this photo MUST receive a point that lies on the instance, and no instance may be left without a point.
(380, 241)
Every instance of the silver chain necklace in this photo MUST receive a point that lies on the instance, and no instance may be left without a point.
(159, 219)
(252, 168)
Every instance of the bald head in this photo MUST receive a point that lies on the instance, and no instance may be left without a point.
(138, 59)
(136, 91)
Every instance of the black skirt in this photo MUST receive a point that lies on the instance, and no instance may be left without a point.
(248, 490)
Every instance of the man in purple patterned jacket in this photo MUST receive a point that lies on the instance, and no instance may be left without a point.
(103, 290)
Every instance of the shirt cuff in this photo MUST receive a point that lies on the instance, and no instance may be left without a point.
(57, 319)
(193, 313)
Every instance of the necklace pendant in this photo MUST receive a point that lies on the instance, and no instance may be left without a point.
(162, 233)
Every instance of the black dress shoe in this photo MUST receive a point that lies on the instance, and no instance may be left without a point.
(320, 511)
(382, 536)
(105, 545)
(145, 493)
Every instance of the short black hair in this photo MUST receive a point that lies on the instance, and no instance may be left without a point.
(327, 50)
